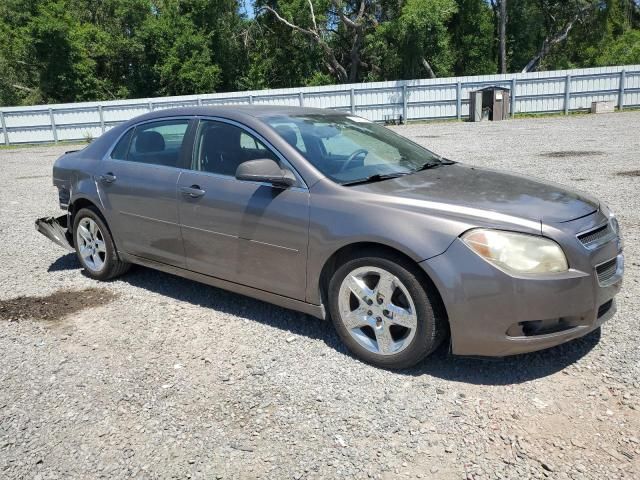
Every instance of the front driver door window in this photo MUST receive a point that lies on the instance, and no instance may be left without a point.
(138, 186)
(245, 232)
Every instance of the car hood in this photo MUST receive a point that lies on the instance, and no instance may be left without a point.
(482, 189)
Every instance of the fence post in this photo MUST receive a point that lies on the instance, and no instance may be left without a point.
(352, 100)
(101, 114)
(53, 126)
(405, 110)
(567, 94)
(459, 100)
(623, 75)
(150, 106)
(4, 128)
(301, 99)
(199, 101)
(514, 83)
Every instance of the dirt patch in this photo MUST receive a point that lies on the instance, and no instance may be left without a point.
(629, 173)
(55, 306)
(572, 153)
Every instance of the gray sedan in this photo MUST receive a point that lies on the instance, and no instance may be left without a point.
(341, 218)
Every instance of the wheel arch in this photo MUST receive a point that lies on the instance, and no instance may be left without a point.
(80, 203)
(353, 250)
(84, 202)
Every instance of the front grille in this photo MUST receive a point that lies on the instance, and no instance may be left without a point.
(604, 308)
(607, 270)
(596, 235)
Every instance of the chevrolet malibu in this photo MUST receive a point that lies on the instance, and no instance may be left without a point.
(332, 215)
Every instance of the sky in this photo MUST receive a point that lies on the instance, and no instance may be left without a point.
(246, 7)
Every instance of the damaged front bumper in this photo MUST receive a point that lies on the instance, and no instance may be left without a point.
(56, 230)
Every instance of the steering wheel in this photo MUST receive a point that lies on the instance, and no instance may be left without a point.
(353, 156)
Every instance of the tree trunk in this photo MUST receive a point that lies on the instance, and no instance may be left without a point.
(503, 36)
(427, 67)
(355, 55)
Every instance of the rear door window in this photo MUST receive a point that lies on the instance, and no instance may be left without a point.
(158, 143)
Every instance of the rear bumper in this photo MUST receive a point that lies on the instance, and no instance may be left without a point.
(56, 230)
(492, 313)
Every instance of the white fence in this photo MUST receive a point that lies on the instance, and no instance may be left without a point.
(440, 98)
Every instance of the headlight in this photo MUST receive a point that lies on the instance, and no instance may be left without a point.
(615, 226)
(517, 252)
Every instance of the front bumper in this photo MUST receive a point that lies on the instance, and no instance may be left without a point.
(492, 313)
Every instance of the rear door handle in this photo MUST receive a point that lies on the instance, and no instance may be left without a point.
(108, 177)
(194, 191)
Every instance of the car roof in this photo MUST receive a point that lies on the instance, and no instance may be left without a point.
(237, 112)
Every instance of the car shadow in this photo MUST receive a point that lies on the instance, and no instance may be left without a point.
(226, 302)
(65, 262)
(441, 364)
(508, 370)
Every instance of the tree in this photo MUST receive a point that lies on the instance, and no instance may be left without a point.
(472, 38)
(624, 50)
(501, 20)
(351, 17)
(74, 50)
(278, 56)
(415, 43)
(559, 20)
(503, 36)
(378, 39)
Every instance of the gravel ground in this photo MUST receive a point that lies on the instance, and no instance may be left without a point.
(167, 378)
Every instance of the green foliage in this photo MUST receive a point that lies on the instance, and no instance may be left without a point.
(277, 56)
(472, 31)
(75, 50)
(624, 50)
(401, 45)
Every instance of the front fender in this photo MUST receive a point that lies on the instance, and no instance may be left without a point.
(418, 229)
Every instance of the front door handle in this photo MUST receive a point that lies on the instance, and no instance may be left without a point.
(194, 191)
(108, 177)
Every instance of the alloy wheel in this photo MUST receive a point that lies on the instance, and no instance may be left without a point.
(91, 245)
(377, 310)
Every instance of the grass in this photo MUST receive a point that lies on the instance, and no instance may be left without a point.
(523, 116)
(74, 143)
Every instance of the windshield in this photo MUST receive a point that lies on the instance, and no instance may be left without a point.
(350, 149)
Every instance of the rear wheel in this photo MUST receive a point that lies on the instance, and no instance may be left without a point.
(95, 247)
(382, 311)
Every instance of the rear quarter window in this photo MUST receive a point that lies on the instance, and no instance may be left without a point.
(120, 152)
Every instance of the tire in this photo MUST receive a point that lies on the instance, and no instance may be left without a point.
(94, 246)
(370, 343)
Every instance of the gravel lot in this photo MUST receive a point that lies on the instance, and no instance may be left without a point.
(160, 377)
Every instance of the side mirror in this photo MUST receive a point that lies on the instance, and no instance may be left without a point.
(265, 170)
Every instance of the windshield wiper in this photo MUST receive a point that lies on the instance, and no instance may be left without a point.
(375, 178)
(430, 165)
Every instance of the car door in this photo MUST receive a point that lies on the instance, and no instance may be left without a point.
(138, 186)
(250, 233)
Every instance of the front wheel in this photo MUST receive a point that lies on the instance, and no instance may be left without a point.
(382, 311)
(94, 246)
